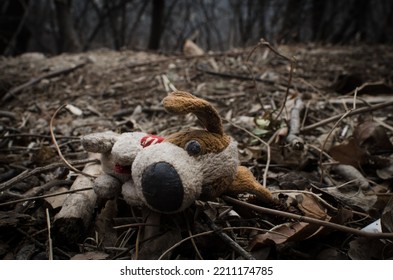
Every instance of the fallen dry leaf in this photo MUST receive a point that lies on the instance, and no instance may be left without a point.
(57, 201)
(353, 197)
(369, 249)
(288, 232)
(372, 137)
(311, 207)
(277, 235)
(386, 172)
(349, 153)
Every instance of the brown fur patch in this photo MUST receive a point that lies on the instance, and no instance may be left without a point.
(215, 189)
(246, 182)
(210, 142)
(181, 103)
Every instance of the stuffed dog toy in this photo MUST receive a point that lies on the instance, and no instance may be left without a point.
(168, 174)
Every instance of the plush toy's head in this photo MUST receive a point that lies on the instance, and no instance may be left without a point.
(168, 174)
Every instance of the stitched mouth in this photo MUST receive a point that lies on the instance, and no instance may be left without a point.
(123, 169)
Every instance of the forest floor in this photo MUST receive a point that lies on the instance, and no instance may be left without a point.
(337, 170)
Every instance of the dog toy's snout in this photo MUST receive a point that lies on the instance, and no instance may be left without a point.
(162, 187)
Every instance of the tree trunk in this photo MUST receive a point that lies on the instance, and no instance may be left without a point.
(14, 34)
(68, 39)
(156, 29)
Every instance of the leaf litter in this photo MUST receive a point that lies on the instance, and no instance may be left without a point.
(321, 159)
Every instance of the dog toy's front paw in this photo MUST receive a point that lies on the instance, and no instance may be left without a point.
(107, 186)
(130, 195)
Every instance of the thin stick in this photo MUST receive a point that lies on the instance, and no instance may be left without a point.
(195, 246)
(28, 173)
(336, 209)
(294, 127)
(193, 241)
(234, 76)
(385, 125)
(351, 113)
(49, 235)
(43, 196)
(331, 207)
(234, 245)
(327, 137)
(292, 61)
(213, 231)
(309, 220)
(36, 80)
(39, 244)
(58, 148)
(136, 225)
(331, 131)
(39, 136)
(137, 242)
(182, 57)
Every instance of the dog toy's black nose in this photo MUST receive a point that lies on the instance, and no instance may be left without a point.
(162, 187)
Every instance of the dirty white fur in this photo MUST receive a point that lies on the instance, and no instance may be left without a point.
(114, 148)
(187, 167)
(221, 165)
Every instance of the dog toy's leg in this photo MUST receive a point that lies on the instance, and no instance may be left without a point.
(246, 182)
(107, 186)
(130, 195)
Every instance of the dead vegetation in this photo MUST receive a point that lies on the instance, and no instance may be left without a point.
(323, 146)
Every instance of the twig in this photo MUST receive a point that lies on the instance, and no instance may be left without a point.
(75, 216)
(331, 207)
(233, 76)
(194, 245)
(327, 137)
(294, 126)
(351, 173)
(211, 232)
(309, 220)
(48, 186)
(28, 173)
(58, 148)
(40, 136)
(234, 245)
(364, 215)
(136, 225)
(49, 235)
(35, 192)
(167, 84)
(42, 196)
(182, 57)
(7, 114)
(351, 113)
(39, 244)
(36, 80)
(331, 131)
(137, 242)
(292, 61)
(385, 125)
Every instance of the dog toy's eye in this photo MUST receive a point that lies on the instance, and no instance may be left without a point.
(193, 148)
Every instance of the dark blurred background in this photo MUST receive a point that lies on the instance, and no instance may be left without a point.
(56, 26)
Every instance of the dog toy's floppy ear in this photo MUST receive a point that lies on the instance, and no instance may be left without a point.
(181, 103)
